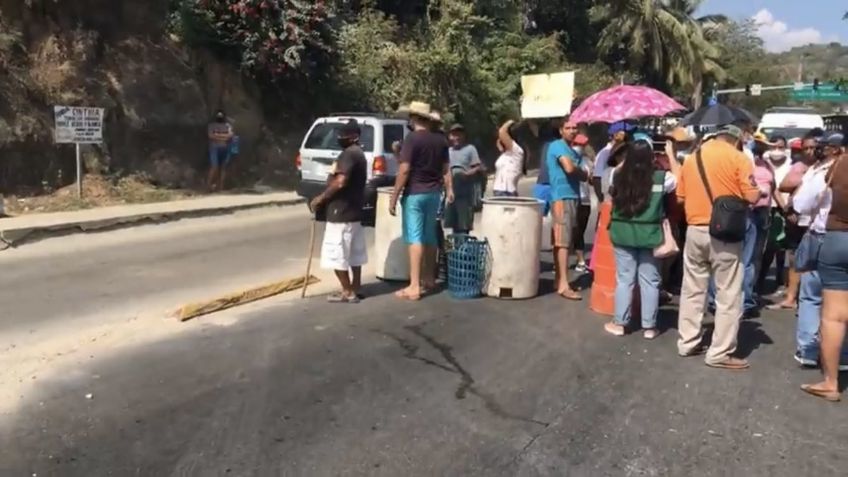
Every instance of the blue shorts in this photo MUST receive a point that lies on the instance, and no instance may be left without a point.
(420, 218)
(833, 261)
(219, 155)
(543, 193)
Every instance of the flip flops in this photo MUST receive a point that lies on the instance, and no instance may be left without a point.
(830, 396)
(342, 298)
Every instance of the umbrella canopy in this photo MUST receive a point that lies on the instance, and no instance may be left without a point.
(717, 115)
(624, 102)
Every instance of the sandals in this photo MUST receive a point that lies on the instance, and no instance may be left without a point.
(342, 298)
(404, 295)
(782, 306)
(571, 295)
(830, 396)
(615, 329)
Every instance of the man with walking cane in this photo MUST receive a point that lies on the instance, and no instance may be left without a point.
(344, 249)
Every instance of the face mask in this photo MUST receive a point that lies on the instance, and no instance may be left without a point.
(777, 156)
(346, 142)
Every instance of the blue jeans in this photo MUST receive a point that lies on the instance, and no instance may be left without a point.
(749, 261)
(630, 263)
(809, 318)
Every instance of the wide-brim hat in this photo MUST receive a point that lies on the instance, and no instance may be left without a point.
(762, 139)
(680, 134)
(422, 110)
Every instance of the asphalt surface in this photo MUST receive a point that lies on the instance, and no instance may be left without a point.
(440, 387)
(75, 280)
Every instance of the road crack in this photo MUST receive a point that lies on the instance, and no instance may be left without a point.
(467, 384)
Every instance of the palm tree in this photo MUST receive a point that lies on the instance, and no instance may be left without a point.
(664, 40)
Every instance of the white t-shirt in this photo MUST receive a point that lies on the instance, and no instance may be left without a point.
(780, 173)
(508, 169)
(669, 182)
(601, 160)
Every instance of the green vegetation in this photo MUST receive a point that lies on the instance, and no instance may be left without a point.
(467, 57)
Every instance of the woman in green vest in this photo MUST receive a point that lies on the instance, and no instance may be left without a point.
(635, 229)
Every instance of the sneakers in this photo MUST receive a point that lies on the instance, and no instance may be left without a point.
(805, 362)
(809, 363)
(581, 267)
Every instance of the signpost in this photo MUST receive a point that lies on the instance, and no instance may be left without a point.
(78, 126)
(825, 93)
(756, 90)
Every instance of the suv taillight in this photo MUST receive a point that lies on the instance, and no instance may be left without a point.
(378, 168)
(297, 161)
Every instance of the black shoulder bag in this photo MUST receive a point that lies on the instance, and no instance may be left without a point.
(729, 219)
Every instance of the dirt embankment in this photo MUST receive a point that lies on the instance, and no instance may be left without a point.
(157, 93)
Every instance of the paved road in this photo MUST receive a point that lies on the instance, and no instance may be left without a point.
(80, 280)
(121, 274)
(440, 387)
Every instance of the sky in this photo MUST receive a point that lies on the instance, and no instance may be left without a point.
(784, 24)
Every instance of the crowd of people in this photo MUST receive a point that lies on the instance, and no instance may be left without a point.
(732, 203)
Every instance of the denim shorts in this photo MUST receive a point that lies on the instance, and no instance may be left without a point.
(833, 261)
(219, 155)
(420, 218)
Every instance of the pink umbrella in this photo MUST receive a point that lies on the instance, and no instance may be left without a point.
(624, 102)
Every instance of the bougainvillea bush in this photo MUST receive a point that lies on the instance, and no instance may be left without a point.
(274, 38)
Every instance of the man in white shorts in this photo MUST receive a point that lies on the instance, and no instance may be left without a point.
(344, 249)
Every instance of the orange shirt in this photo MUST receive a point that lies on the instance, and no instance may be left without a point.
(729, 172)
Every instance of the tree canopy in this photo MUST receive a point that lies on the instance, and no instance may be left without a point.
(468, 56)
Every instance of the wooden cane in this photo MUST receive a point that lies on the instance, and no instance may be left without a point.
(309, 260)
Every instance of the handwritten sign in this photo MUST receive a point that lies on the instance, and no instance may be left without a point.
(78, 125)
(547, 95)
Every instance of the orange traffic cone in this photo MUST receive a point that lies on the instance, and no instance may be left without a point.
(602, 300)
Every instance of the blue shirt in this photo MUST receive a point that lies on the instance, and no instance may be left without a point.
(563, 186)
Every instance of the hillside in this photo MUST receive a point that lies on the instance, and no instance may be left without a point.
(158, 95)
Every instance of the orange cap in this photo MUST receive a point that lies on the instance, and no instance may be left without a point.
(581, 140)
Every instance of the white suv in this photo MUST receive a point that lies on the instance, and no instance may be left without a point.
(320, 149)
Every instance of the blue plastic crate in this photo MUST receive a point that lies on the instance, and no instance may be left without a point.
(467, 265)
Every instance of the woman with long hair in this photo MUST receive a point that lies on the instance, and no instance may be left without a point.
(637, 190)
(833, 273)
(511, 164)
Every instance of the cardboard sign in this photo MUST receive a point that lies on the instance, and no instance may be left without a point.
(78, 125)
(547, 95)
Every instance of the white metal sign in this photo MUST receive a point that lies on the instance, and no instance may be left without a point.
(756, 89)
(78, 125)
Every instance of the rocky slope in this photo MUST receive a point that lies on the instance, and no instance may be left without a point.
(158, 96)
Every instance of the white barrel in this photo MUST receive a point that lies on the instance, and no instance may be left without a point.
(513, 227)
(547, 225)
(390, 250)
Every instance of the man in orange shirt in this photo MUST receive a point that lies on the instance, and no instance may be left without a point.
(729, 173)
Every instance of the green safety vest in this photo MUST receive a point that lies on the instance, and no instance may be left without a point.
(645, 229)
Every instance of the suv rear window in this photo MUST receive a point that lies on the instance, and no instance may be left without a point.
(391, 133)
(325, 136)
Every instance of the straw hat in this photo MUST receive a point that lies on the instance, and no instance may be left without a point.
(680, 134)
(762, 139)
(422, 110)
